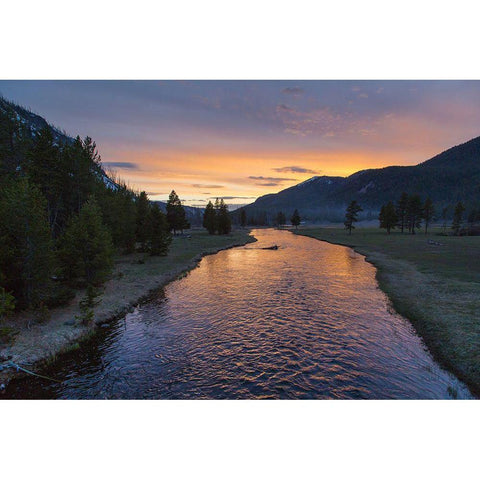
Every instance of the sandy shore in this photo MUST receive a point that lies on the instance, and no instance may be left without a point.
(134, 278)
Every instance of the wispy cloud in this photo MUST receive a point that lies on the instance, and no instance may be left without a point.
(294, 169)
(200, 185)
(231, 198)
(273, 179)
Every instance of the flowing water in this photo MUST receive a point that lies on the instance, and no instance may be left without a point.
(304, 321)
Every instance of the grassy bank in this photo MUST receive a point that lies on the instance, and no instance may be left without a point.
(437, 287)
(134, 277)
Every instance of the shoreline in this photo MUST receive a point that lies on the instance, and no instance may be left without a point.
(135, 278)
(392, 273)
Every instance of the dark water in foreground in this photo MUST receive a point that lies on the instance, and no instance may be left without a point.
(305, 321)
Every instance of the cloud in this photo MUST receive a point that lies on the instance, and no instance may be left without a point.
(231, 198)
(284, 108)
(294, 169)
(269, 184)
(295, 91)
(363, 95)
(199, 185)
(156, 193)
(274, 179)
(123, 165)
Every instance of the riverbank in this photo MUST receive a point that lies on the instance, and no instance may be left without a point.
(432, 280)
(134, 277)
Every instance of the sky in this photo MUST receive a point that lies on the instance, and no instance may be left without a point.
(239, 140)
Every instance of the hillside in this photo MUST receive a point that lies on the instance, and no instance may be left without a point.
(447, 178)
(32, 123)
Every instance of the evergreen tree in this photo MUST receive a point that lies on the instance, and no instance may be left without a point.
(159, 237)
(45, 170)
(26, 254)
(457, 218)
(295, 219)
(402, 211)
(428, 212)
(243, 218)
(388, 217)
(87, 250)
(351, 215)
(141, 224)
(209, 218)
(176, 215)
(224, 221)
(414, 213)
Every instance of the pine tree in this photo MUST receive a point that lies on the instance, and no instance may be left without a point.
(176, 215)
(351, 215)
(45, 170)
(26, 254)
(143, 209)
(159, 237)
(87, 250)
(224, 221)
(209, 218)
(428, 212)
(295, 219)
(401, 211)
(388, 217)
(414, 213)
(243, 218)
(457, 218)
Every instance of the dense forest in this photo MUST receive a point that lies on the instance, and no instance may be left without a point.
(62, 218)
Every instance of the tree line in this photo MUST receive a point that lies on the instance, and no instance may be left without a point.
(409, 212)
(216, 218)
(62, 219)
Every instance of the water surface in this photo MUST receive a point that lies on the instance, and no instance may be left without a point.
(304, 321)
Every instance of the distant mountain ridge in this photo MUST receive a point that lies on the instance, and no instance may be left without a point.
(449, 177)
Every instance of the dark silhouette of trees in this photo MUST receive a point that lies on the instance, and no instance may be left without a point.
(141, 221)
(428, 212)
(87, 249)
(388, 217)
(401, 210)
(158, 232)
(209, 218)
(224, 222)
(216, 219)
(26, 253)
(414, 213)
(457, 218)
(351, 215)
(295, 219)
(176, 215)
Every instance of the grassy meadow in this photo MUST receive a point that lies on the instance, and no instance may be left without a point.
(437, 287)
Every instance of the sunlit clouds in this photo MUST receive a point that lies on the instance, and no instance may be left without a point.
(239, 139)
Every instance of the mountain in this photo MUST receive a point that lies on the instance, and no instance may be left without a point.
(447, 178)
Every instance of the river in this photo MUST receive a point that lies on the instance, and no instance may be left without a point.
(305, 321)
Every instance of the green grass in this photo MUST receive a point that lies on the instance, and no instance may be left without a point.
(437, 287)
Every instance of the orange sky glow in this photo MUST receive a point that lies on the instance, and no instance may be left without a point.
(242, 139)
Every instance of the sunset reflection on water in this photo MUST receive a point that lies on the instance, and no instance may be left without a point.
(304, 321)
